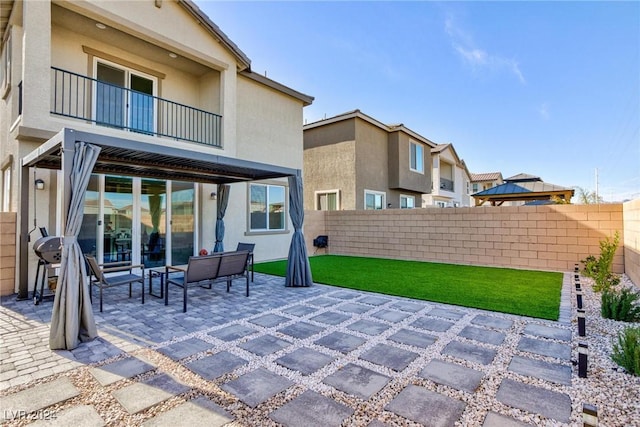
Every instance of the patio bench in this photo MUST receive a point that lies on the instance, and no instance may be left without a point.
(206, 270)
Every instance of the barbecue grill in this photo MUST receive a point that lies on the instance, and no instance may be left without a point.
(48, 250)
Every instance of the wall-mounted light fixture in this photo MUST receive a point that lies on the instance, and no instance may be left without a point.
(39, 183)
(100, 26)
(213, 195)
(173, 55)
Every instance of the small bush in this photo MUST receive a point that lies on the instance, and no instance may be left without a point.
(599, 269)
(620, 305)
(626, 351)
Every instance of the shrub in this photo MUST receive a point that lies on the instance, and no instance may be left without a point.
(626, 351)
(620, 305)
(599, 269)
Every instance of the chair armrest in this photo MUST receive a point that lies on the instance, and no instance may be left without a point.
(115, 264)
(123, 268)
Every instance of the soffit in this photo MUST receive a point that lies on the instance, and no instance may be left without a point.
(6, 7)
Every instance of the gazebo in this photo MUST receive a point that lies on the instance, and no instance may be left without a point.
(522, 188)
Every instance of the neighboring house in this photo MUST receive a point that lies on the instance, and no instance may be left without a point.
(523, 189)
(484, 181)
(352, 161)
(142, 80)
(451, 179)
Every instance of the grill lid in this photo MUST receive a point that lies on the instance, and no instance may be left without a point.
(49, 249)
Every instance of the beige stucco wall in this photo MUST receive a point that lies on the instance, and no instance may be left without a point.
(330, 167)
(631, 239)
(535, 237)
(372, 161)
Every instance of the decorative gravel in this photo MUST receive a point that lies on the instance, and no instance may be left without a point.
(615, 393)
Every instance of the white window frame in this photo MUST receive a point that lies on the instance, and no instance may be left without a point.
(127, 85)
(284, 206)
(6, 188)
(327, 192)
(375, 193)
(407, 198)
(419, 157)
(5, 64)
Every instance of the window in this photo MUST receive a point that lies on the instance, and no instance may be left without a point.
(407, 202)
(417, 158)
(267, 207)
(374, 199)
(327, 200)
(441, 204)
(6, 189)
(5, 68)
(475, 187)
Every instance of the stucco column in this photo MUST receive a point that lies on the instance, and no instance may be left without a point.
(229, 84)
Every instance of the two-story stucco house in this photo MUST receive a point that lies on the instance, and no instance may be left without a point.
(485, 181)
(176, 109)
(353, 161)
(451, 179)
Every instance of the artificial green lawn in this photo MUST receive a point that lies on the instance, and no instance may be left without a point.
(523, 292)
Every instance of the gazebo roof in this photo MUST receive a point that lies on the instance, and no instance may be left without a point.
(522, 187)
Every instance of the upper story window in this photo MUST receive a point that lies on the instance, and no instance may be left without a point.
(125, 98)
(328, 200)
(475, 187)
(5, 68)
(417, 158)
(407, 202)
(374, 199)
(267, 207)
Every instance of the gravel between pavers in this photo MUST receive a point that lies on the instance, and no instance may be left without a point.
(615, 393)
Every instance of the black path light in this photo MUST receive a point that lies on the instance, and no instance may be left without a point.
(582, 360)
(581, 323)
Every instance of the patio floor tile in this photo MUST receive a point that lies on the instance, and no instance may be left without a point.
(452, 375)
(357, 380)
(116, 371)
(216, 365)
(185, 348)
(411, 307)
(416, 339)
(305, 360)
(426, 407)
(299, 310)
(389, 356)
(491, 322)
(330, 318)
(554, 372)
(430, 324)
(257, 386)
(232, 333)
(482, 335)
(470, 352)
(311, 409)
(77, 416)
(534, 399)
(446, 313)
(140, 396)
(339, 341)
(373, 300)
(199, 411)
(264, 345)
(496, 420)
(38, 397)
(355, 308)
(323, 302)
(345, 295)
(390, 315)
(548, 332)
(545, 348)
(301, 330)
(368, 327)
(269, 320)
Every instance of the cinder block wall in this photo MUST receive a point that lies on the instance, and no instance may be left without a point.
(7, 252)
(631, 215)
(535, 237)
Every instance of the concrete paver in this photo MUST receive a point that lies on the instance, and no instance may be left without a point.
(453, 375)
(357, 380)
(119, 370)
(483, 335)
(496, 420)
(143, 395)
(413, 338)
(197, 412)
(535, 399)
(430, 324)
(76, 416)
(311, 409)
(426, 407)
(389, 356)
(301, 330)
(216, 365)
(257, 386)
(37, 398)
(492, 322)
(470, 352)
(331, 318)
(368, 327)
(305, 360)
(264, 345)
(548, 332)
(339, 341)
(185, 348)
(554, 372)
(545, 348)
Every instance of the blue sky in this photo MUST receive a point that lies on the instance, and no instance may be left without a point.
(546, 88)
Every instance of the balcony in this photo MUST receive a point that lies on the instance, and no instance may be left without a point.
(83, 98)
(446, 184)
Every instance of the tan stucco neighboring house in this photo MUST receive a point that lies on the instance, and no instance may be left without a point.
(484, 181)
(353, 161)
(159, 74)
(451, 179)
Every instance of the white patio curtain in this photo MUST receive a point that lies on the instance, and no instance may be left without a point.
(298, 269)
(223, 201)
(72, 319)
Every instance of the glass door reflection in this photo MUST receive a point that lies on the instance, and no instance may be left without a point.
(118, 214)
(89, 229)
(182, 221)
(153, 199)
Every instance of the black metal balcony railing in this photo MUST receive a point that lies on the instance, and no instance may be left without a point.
(80, 97)
(446, 184)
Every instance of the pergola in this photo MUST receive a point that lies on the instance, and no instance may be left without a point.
(525, 191)
(78, 154)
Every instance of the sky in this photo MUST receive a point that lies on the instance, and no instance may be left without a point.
(545, 88)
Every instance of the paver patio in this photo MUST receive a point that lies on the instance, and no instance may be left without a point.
(294, 356)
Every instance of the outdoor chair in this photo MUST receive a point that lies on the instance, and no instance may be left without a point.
(98, 276)
(200, 269)
(248, 247)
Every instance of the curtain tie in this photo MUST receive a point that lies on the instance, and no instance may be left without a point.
(69, 240)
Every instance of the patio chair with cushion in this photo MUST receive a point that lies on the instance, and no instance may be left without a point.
(199, 270)
(248, 247)
(98, 276)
